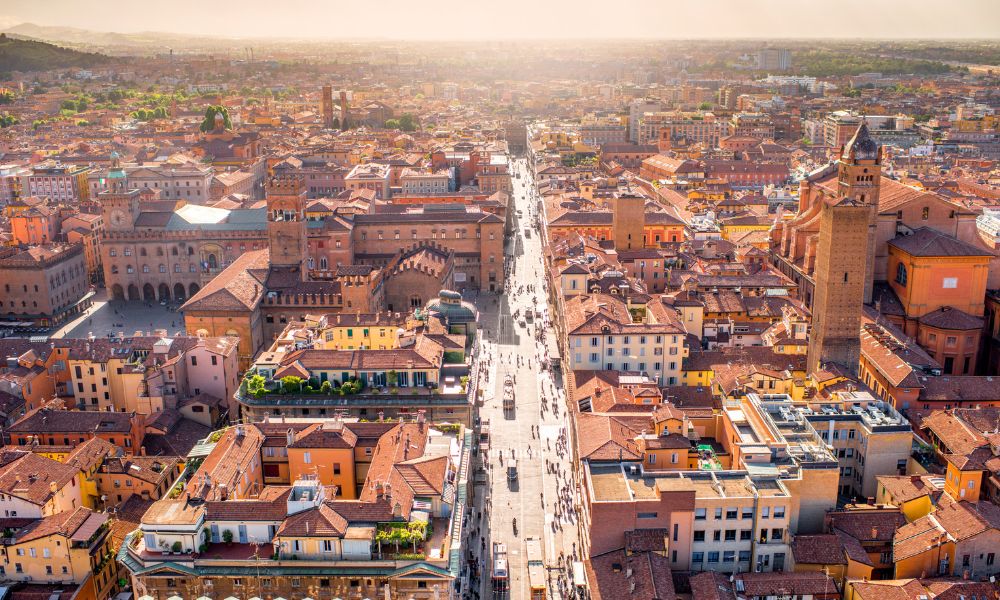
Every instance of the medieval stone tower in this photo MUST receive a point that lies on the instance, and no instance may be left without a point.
(859, 173)
(845, 256)
(286, 223)
(628, 221)
(327, 106)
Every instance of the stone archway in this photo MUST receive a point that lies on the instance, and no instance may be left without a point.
(179, 291)
(117, 293)
(133, 292)
(164, 291)
(148, 293)
(193, 289)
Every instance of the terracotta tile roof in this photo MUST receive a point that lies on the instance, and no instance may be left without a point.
(917, 537)
(930, 242)
(73, 421)
(378, 510)
(853, 548)
(90, 453)
(904, 488)
(607, 394)
(712, 585)
(28, 476)
(822, 549)
(238, 287)
(892, 194)
(231, 455)
(900, 360)
(591, 313)
(787, 584)
(963, 520)
(947, 317)
(650, 576)
(328, 434)
(957, 436)
(603, 437)
(178, 441)
(425, 475)
(128, 516)
(272, 509)
(65, 524)
(894, 589)
(321, 521)
(960, 589)
(868, 525)
(152, 469)
(403, 442)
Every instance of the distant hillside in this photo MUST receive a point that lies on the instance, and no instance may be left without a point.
(29, 55)
(114, 42)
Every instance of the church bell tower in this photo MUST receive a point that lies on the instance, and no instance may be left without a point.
(845, 256)
(859, 173)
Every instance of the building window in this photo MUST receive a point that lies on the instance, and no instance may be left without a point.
(950, 283)
(901, 274)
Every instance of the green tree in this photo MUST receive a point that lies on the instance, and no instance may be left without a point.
(705, 106)
(392, 124)
(68, 105)
(7, 120)
(291, 384)
(407, 123)
(208, 123)
(6, 97)
(256, 385)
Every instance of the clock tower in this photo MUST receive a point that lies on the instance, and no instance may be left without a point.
(286, 223)
(119, 205)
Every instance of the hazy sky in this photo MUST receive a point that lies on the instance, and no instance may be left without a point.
(477, 19)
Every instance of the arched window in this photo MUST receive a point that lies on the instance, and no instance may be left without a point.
(901, 274)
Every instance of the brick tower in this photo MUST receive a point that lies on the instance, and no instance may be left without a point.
(286, 223)
(845, 256)
(327, 106)
(628, 221)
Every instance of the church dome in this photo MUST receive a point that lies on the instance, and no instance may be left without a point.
(450, 304)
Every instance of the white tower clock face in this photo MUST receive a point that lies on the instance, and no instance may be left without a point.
(117, 218)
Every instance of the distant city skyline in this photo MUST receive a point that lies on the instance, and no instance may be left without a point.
(527, 19)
